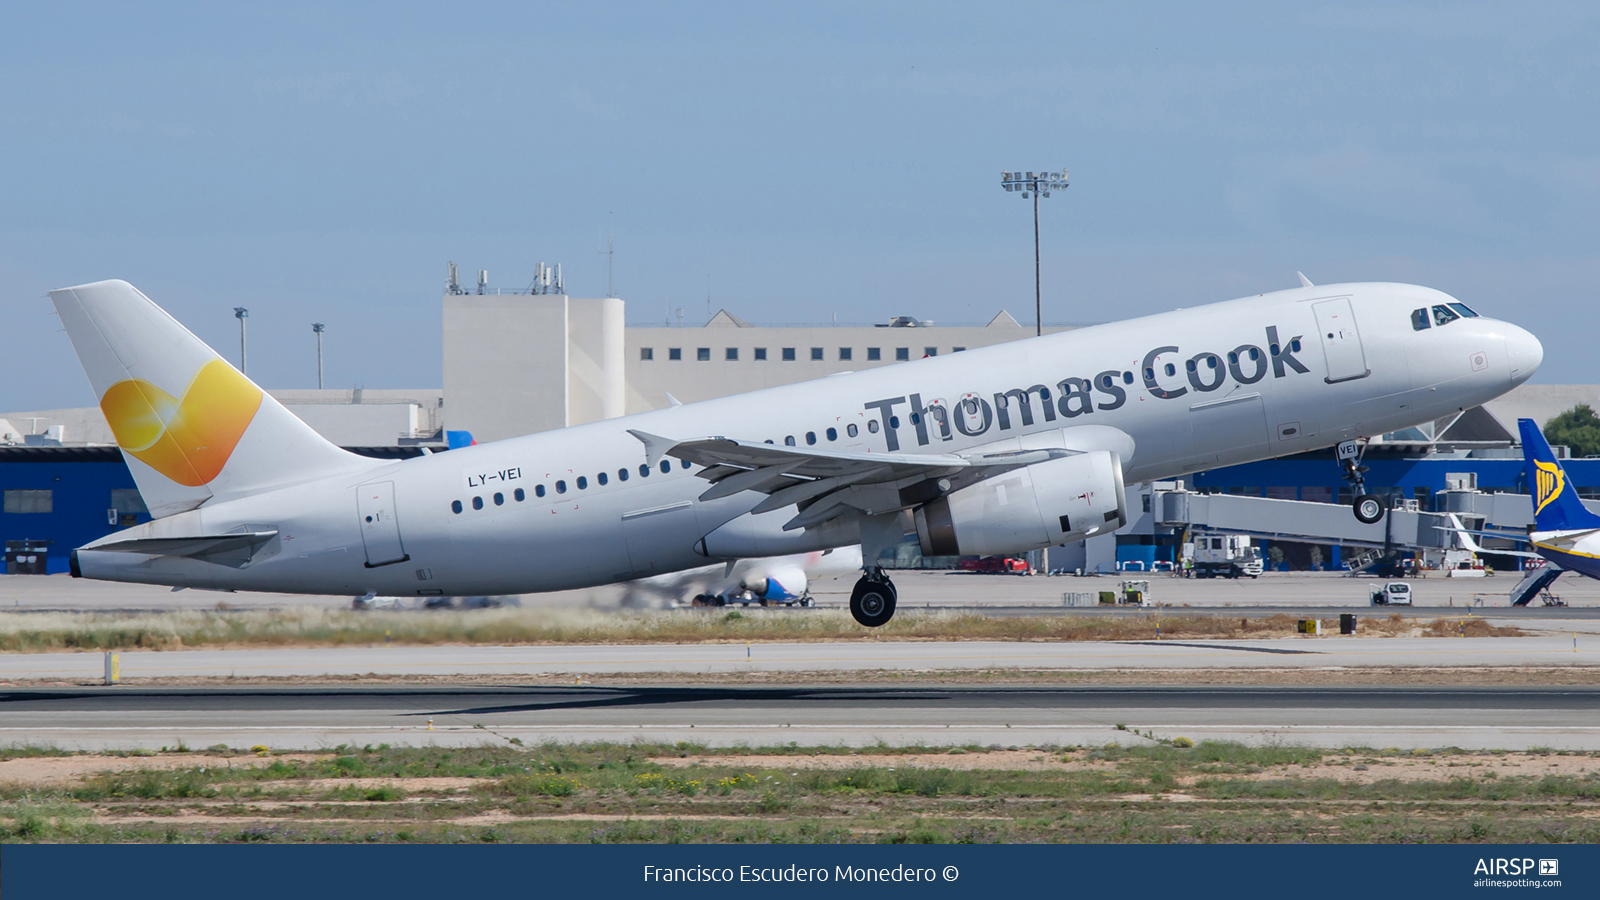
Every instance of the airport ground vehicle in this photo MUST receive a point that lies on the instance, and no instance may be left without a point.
(1226, 556)
(997, 564)
(1128, 593)
(1391, 593)
(997, 450)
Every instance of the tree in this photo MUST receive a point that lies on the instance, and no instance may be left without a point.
(1578, 428)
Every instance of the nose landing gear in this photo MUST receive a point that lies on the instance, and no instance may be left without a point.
(872, 601)
(1368, 507)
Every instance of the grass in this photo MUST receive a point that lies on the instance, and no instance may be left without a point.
(308, 626)
(611, 793)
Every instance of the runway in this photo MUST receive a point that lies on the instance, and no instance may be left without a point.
(903, 656)
(282, 718)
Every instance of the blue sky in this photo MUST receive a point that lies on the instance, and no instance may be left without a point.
(322, 163)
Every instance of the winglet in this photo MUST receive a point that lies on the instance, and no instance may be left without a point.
(1304, 281)
(672, 400)
(655, 446)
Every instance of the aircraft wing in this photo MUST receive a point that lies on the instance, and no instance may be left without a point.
(830, 483)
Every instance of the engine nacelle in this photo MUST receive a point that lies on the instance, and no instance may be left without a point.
(1030, 508)
(777, 583)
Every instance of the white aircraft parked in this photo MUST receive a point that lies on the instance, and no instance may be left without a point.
(1003, 449)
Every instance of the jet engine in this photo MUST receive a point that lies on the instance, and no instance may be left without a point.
(1037, 506)
(784, 582)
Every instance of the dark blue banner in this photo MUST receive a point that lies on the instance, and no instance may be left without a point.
(312, 872)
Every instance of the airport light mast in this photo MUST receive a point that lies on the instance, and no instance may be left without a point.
(241, 314)
(317, 327)
(1034, 184)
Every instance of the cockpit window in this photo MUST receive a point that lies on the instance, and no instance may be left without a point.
(1462, 308)
(1419, 319)
(1443, 316)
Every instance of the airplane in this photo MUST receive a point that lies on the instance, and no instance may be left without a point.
(1565, 532)
(1002, 449)
(771, 580)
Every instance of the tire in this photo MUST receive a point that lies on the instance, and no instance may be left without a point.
(872, 602)
(1368, 509)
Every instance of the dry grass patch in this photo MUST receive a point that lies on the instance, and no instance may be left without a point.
(314, 627)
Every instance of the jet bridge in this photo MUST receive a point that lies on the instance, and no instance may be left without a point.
(1300, 520)
(1402, 528)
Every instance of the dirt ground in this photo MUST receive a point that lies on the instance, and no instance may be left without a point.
(1339, 766)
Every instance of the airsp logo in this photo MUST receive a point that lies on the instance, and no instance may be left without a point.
(1502, 866)
(1549, 867)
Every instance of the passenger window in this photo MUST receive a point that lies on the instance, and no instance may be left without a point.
(872, 425)
(1419, 319)
(499, 499)
(644, 470)
(833, 434)
(519, 495)
(789, 441)
(1171, 369)
(561, 487)
(851, 430)
(811, 437)
(477, 503)
(583, 483)
(1295, 345)
(622, 474)
(666, 467)
(538, 490)
(455, 507)
(1462, 308)
(684, 463)
(894, 421)
(1443, 316)
(1127, 378)
(601, 478)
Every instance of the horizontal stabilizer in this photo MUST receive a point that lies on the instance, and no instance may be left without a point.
(234, 549)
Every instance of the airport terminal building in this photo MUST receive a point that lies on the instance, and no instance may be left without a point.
(518, 363)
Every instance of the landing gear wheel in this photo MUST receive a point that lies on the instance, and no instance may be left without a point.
(872, 601)
(1368, 508)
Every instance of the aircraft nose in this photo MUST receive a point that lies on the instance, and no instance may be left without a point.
(1524, 353)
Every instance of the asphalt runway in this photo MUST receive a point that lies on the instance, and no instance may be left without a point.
(286, 718)
(841, 656)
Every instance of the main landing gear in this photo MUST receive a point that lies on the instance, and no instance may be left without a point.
(872, 602)
(1368, 507)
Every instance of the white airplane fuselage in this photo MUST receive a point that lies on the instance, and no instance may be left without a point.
(1195, 389)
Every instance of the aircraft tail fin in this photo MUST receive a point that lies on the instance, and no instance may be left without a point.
(1556, 506)
(191, 426)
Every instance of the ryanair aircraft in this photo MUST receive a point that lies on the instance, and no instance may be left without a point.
(1003, 449)
(1565, 532)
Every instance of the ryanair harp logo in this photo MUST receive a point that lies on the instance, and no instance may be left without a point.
(187, 438)
(1550, 480)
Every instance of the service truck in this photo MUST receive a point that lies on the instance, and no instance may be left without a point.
(1394, 593)
(1226, 556)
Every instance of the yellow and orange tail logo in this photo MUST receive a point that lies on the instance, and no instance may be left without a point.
(1550, 480)
(187, 439)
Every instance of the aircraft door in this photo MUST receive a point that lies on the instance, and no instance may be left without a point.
(1229, 429)
(1341, 342)
(662, 538)
(380, 529)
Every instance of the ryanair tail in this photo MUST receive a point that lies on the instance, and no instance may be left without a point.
(192, 428)
(1556, 506)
